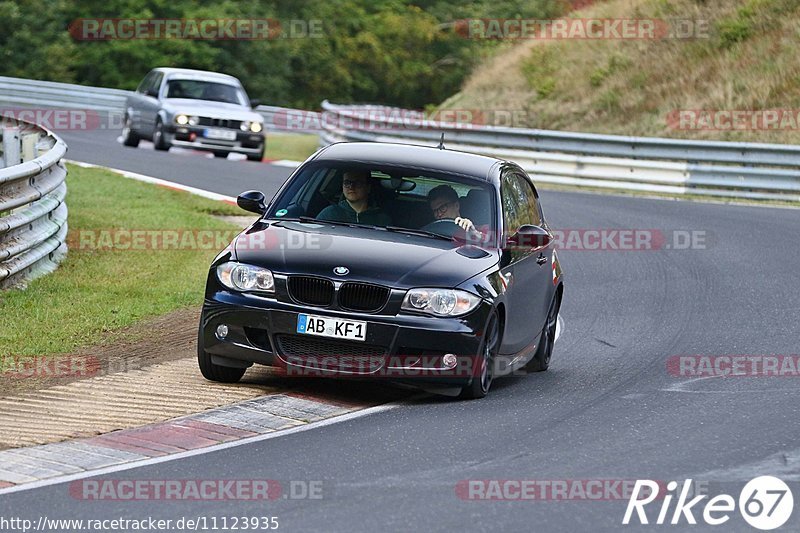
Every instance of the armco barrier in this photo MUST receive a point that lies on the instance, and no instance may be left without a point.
(33, 215)
(672, 166)
(47, 94)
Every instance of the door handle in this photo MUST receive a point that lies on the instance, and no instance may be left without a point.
(541, 259)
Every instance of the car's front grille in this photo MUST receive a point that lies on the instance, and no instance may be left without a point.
(329, 354)
(219, 122)
(311, 291)
(362, 297)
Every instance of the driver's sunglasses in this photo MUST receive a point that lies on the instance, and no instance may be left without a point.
(353, 184)
(442, 209)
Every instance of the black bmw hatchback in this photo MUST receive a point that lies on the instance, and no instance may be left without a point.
(408, 263)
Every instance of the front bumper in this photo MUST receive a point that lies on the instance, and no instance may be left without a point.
(400, 348)
(194, 137)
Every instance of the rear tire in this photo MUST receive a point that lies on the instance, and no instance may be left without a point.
(211, 371)
(159, 141)
(129, 137)
(479, 387)
(541, 359)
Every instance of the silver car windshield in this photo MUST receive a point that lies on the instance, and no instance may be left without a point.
(205, 90)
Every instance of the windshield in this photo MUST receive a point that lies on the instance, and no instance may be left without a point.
(393, 199)
(206, 90)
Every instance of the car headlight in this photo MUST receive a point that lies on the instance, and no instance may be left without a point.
(245, 125)
(194, 121)
(255, 127)
(242, 277)
(440, 302)
(181, 119)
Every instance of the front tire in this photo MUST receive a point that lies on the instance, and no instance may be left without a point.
(257, 157)
(541, 359)
(159, 138)
(482, 381)
(129, 137)
(211, 371)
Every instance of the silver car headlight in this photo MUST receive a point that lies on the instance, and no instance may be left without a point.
(440, 302)
(256, 127)
(242, 277)
(182, 119)
(194, 121)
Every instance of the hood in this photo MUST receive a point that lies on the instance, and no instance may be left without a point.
(208, 108)
(376, 256)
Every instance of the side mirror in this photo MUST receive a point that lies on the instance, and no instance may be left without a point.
(254, 103)
(529, 237)
(152, 92)
(252, 201)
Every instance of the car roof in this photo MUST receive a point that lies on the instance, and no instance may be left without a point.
(409, 155)
(196, 74)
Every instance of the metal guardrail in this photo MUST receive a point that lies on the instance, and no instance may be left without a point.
(672, 166)
(33, 215)
(49, 94)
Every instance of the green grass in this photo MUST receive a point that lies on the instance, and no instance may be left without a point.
(744, 57)
(294, 146)
(97, 291)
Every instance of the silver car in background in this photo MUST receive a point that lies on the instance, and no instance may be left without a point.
(194, 109)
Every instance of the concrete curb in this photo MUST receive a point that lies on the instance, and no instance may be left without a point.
(242, 420)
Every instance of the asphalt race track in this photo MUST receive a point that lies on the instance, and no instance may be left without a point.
(608, 409)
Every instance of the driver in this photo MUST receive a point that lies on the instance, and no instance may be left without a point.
(356, 206)
(445, 205)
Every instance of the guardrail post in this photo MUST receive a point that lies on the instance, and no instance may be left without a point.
(29, 149)
(11, 146)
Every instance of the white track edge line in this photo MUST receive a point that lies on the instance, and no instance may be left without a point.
(202, 451)
(158, 181)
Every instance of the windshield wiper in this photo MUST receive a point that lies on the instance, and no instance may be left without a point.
(336, 222)
(421, 232)
(318, 221)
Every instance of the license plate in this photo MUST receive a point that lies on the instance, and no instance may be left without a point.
(332, 327)
(220, 134)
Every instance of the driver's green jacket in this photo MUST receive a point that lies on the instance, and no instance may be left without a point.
(342, 212)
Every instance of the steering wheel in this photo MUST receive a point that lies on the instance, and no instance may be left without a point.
(444, 226)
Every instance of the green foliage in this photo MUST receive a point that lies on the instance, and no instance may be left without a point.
(540, 68)
(396, 52)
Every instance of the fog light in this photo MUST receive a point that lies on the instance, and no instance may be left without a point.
(222, 331)
(449, 360)
(192, 136)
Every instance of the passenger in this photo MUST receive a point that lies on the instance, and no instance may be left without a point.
(356, 206)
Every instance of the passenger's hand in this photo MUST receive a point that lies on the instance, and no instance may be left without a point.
(465, 223)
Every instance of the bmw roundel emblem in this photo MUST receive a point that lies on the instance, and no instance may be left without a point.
(341, 271)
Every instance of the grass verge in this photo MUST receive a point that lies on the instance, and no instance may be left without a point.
(100, 288)
(738, 55)
(294, 146)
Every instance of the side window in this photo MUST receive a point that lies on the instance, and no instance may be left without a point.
(156, 83)
(531, 213)
(142, 88)
(510, 196)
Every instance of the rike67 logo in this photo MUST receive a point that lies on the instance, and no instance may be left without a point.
(765, 503)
